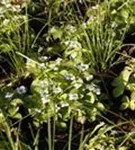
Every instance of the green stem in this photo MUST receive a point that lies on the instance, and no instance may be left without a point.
(49, 134)
(9, 136)
(54, 129)
(81, 137)
(70, 133)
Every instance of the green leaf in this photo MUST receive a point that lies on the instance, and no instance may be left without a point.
(132, 101)
(56, 33)
(118, 91)
(125, 102)
(17, 116)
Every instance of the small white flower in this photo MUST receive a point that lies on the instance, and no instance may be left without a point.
(57, 90)
(45, 97)
(73, 44)
(89, 77)
(77, 85)
(55, 68)
(71, 28)
(57, 108)
(58, 60)
(97, 91)
(73, 55)
(43, 84)
(91, 87)
(21, 89)
(9, 95)
(84, 26)
(114, 25)
(43, 58)
(64, 104)
(83, 67)
(69, 77)
(37, 110)
(6, 22)
(73, 96)
(42, 66)
(95, 7)
(40, 49)
(90, 20)
(3, 1)
(81, 119)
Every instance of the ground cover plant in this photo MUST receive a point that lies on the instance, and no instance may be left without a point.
(67, 75)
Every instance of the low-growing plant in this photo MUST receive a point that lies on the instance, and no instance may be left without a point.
(125, 83)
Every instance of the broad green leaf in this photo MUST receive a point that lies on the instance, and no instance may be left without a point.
(125, 102)
(17, 116)
(56, 33)
(118, 91)
(132, 101)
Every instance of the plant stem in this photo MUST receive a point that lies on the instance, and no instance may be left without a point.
(70, 133)
(81, 137)
(49, 134)
(53, 138)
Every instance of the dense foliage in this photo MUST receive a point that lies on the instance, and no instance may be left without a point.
(67, 75)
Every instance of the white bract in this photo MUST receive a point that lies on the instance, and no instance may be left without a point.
(21, 89)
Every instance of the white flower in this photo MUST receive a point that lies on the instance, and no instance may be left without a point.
(55, 68)
(57, 108)
(9, 95)
(114, 25)
(71, 28)
(91, 87)
(73, 55)
(64, 104)
(42, 66)
(21, 89)
(58, 60)
(73, 96)
(45, 97)
(95, 7)
(83, 67)
(81, 119)
(37, 110)
(89, 77)
(57, 90)
(97, 91)
(6, 22)
(43, 84)
(43, 58)
(73, 44)
(40, 49)
(77, 85)
(84, 25)
(69, 77)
